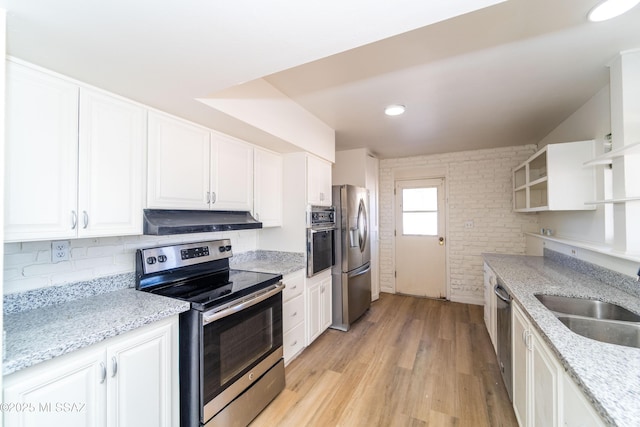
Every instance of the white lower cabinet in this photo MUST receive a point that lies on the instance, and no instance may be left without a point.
(576, 411)
(293, 315)
(543, 393)
(318, 290)
(129, 380)
(490, 313)
(536, 375)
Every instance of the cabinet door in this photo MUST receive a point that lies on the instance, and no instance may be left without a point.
(313, 312)
(111, 177)
(520, 365)
(231, 174)
(141, 371)
(318, 181)
(576, 409)
(544, 384)
(267, 198)
(41, 167)
(179, 164)
(325, 306)
(68, 391)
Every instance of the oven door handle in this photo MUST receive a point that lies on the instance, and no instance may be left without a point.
(241, 306)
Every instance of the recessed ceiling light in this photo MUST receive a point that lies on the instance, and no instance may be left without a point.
(610, 9)
(397, 109)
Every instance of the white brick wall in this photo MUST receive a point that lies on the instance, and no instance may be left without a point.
(480, 190)
(28, 265)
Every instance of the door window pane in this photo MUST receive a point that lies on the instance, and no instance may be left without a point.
(420, 211)
(419, 199)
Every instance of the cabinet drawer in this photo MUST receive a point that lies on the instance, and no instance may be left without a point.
(294, 285)
(293, 342)
(292, 313)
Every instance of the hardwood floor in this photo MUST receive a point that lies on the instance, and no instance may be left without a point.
(408, 362)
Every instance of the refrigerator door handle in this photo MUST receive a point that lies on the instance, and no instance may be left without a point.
(360, 271)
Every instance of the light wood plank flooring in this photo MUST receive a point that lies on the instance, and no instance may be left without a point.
(408, 362)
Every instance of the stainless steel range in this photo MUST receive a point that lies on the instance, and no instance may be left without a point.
(231, 363)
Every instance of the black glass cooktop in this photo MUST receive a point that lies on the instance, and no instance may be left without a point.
(210, 290)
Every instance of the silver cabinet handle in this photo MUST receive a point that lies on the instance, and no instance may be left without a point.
(295, 313)
(114, 366)
(85, 217)
(208, 197)
(74, 220)
(213, 197)
(103, 372)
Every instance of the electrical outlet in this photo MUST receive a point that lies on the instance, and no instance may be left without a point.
(468, 224)
(60, 251)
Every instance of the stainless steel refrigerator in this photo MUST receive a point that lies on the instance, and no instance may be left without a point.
(351, 272)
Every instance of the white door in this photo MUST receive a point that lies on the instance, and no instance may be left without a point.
(420, 243)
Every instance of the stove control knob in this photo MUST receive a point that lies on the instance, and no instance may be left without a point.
(151, 260)
(228, 247)
(162, 258)
(222, 248)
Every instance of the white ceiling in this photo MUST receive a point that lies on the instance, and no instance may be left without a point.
(503, 75)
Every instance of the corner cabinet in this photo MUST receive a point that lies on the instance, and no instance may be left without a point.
(74, 159)
(318, 315)
(555, 179)
(129, 380)
(191, 167)
(267, 187)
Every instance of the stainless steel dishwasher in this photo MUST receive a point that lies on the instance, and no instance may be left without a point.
(503, 308)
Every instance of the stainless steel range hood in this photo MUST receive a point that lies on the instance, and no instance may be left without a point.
(161, 222)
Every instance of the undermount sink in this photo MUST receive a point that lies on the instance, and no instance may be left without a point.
(601, 321)
(587, 308)
(612, 332)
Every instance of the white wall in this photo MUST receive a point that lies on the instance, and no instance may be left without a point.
(591, 121)
(27, 265)
(479, 190)
(263, 106)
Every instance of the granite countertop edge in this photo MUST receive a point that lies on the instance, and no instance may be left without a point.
(37, 335)
(608, 374)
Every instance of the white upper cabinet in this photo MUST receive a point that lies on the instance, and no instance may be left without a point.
(231, 174)
(112, 148)
(555, 179)
(62, 184)
(318, 181)
(267, 197)
(41, 169)
(179, 164)
(191, 167)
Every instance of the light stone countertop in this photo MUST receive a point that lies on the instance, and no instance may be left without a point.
(49, 322)
(608, 374)
(39, 334)
(274, 262)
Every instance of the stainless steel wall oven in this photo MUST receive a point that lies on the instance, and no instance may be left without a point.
(231, 363)
(321, 226)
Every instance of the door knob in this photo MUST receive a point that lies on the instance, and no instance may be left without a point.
(441, 241)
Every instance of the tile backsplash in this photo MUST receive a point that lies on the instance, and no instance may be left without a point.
(28, 265)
